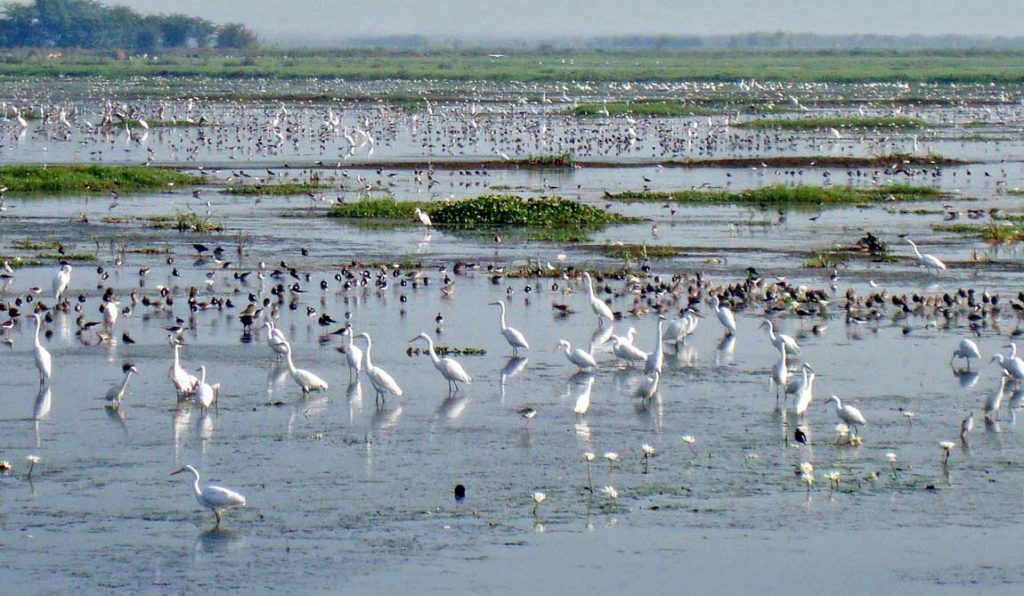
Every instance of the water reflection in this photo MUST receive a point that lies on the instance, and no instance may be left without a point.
(453, 406)
(354, 395)
(218, 541)
(580, 387)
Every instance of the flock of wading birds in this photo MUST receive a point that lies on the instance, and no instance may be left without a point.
(654, 292)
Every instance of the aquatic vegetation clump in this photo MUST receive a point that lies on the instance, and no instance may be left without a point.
(284, 188)
(82, 178)
(840, 122)
(789, 195)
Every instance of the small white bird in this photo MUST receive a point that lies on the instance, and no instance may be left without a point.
(804, 391)
(848, 414)
(116, 393)
(780, 340)
(725, 316)
(623, 348)
(966, 350)
(61, 281)
(41, 354)
(931, 262)
(204, 394)
(578, 356)
(183, 381)
(422, 218)
(513, 336)
(600, 307)
(655, 361)
(382, 382)
(449, 368)
(215, 498)
(995, 400)
(276, 339)
(306, 380)
(353, 354)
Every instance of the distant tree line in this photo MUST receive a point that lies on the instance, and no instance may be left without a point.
(91, 25)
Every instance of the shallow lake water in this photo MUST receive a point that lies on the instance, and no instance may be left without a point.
(343, 492)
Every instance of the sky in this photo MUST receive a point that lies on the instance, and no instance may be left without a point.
(535, 19)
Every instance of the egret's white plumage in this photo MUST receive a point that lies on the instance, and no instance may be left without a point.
(423, 218)
(1011, 364)
(276, 339)
(215, 498)
(655, 361)
(204, 394)
(578, 356)
(995, 400)
(306, 380)
(966, 350)
(848, 414)
(623, 348)
(600, 307)
(586, 389)
(61, 281)
(41, 354)
(930, 261)
(780, 375)
(725, 316)
(353, 354)
(780, 340)
(513, 336)
(382, 382)
(184, 382)
(449, 368)
(678, 330)
(805, 391)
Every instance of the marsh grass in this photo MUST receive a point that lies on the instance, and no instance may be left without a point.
(83, 178)
(285, 188)
(632, 252)
(843, 122)
(788, 195)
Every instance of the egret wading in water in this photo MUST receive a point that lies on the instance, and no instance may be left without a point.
(600, 307)
(805, 391)
(276, 340)
(995, 400)
(382, 382)
(205, 395)
(655, 361)
(725, 316)
(41, 354)
(116, 393)
(780, 376)
(184, 383)
(966, 350)
(1012, 365)
(514, 338)
(449, 368)
(678, 330)
(61, 281)
(781, 341)
(583, 359)
(848, 414)
(422, 218)
(306, 380)
(623, 348)
(353, 354)
(215, 498)
(931, 262)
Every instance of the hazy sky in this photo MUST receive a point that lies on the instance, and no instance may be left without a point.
(549, 18)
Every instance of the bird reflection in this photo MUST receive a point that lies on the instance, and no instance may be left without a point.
(453, 407)
(385, 416)
(513, 367)
(580, 388)
(115, 413)
(724, 351)
(354, 394)
(43, 402)
(219, 540)
(967, 378)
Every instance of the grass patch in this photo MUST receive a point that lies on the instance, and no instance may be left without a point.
(641, 108)
(53, 257)
(486, 210)
(1007, 231)
(868, 246)
(446, 351)
(837, 122)
(286, 188)
(633, 252)
(187, 221)
(29, 244)
(80, 178)
(557, 160)
(19, 262)
(787, 195)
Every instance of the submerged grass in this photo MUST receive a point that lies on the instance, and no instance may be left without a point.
(286, 188)
(641, 108)
(788, 195)
(80, 178)
(836, 122)
(1007, 231)
(632, 252)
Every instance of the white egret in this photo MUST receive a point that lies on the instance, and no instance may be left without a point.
(780, 375)
(780, 340)
(61, 281)
(804, 391)
(183, 381)
(929, 261)
(600, 307)
(41, 354)
(995, 400)
(204, 394)
(678, 330)
(422, 218)
(655, 361)
(578, 356)
(1012, 364)
(276, 339)
(306, 380)
(116, 393)
(725, 316)
(649, 387)
(512, 336)
(449, 368)
(966, 350)
(848, 414)
(623, 348)
(353, 354)
(382, 382)
(215, 498)
(111, 310)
